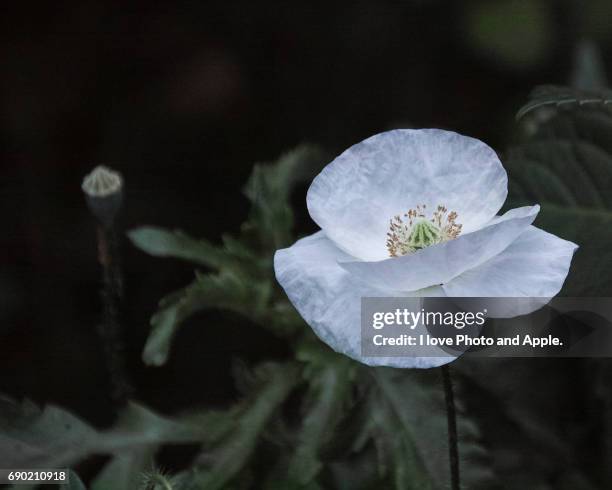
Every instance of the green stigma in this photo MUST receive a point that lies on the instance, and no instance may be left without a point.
(416, 230)
(423, 234)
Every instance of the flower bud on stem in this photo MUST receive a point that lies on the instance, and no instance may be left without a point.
(103, 192)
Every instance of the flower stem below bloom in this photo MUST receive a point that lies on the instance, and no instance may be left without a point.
(110, 329)
(451, 416)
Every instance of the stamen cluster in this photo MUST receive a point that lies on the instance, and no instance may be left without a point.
(415, 231)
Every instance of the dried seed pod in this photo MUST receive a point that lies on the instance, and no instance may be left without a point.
(103, 191)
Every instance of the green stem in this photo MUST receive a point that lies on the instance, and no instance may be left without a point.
(451, 416)
(110, 330)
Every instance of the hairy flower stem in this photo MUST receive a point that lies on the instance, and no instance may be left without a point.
(103, 193)
(451, 417)
(110, 329)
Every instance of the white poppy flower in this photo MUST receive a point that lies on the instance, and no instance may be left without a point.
(413, 213)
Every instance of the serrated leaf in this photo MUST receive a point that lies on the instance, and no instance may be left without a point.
(160, 242)
(528, 446)
(329, 377)
(230, 291)
(557, 96)
(134, 440)
(244, 283)
(563, 172)
(566, 166)
(576, 123)
(409, 418)
(225, 461)
(395, 439)
(356, 472)
(34, 438)
(592, 264)
(269, 189)
(54, 438)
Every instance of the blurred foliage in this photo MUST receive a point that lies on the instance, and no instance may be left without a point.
(521, 43)
(589, 72)
(565, 164)
(54, 438)
(318, 420)
(74, 482)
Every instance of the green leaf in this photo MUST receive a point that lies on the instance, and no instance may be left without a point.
(529, 447)
(134, 442)
(31, 438)
(54, 438)
(224, 461)
(163, 243)
(124, 472)
(552, 96)
(269, 189)
(396, 442)
(587, 124)
(591, 269)
(356, 471)
(245, 280)
(410, 430)
(329, 376)
(562, 172)
(74, 482)
(566, 166)
(229, 291)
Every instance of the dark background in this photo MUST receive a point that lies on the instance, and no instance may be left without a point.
(182, 98)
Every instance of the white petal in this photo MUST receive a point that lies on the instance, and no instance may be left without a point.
(329, 299)
(440, 263)
(534, 266)
(356, 195)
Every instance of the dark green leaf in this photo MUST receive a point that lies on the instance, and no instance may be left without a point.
(227, 459)
(244, 283)
(163, 243)
(330, 377)
(74, 482)
(269, 189)
(528, 447)
(566, 166)
(54, 438)
(556, 97)
(230, 291)
(409, 424)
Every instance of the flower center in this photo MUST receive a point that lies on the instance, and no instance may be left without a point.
(416, 230)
